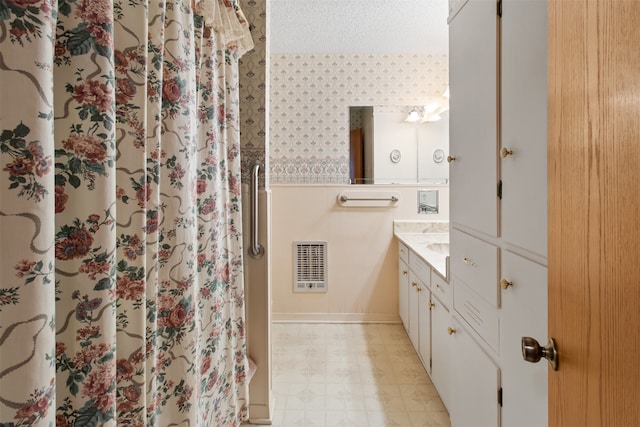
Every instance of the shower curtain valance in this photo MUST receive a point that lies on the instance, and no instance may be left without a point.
(226, 17)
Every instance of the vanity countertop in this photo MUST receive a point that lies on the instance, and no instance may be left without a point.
(429, 240)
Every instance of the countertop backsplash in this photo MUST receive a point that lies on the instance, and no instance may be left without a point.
(401, 227)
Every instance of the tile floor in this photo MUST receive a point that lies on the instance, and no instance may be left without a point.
(351, 375)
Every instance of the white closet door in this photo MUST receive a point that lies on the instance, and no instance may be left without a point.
(473, 119)
(476, 380)
(414, 308)
(441, 341)
(523, 313)
(424, 347)
(524, 124)
(403, 293)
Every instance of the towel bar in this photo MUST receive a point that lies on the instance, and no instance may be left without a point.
(368, 199)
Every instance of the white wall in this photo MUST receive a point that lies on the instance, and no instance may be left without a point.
(362, 251)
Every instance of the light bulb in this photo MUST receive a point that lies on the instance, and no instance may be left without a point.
(413, 116)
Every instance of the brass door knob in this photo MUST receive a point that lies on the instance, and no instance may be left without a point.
(505, 283)
(533, 352)
(450, 159)
(504, 152)
(451, 330)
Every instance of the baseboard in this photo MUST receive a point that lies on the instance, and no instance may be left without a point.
(335, 318)
(260, 414)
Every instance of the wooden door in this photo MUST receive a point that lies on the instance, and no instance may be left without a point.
(594, 212)
(356, 142)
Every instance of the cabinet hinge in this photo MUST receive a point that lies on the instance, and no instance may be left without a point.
(499, 8)
(500, 397)
(500, 189)
(430, 363)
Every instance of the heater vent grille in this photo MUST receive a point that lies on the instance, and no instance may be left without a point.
(310, 266)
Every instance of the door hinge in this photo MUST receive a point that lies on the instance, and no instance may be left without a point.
(499, 8)
(500, 189)
(500, 397)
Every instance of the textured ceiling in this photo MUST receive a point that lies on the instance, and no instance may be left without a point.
(358, 26)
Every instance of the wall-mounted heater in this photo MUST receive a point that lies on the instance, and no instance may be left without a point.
(310, 266)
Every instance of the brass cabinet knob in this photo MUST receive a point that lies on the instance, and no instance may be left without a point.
(418, 289)
(414, 284)
(431, 305)
(504, 152)
(450, 159)
(505, 283)
(404, 272)
(451, 330)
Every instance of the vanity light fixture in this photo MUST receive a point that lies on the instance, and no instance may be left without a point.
(432, 118)
(433, 112)
(414, 116)
(432, 108)
(429, 112)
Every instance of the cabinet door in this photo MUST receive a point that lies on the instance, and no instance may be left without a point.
(403, 293)
(424, 346)
(475, 383)
(473, 117)
(524, 124)
(441, 351)
(415, 288)
(524, 313)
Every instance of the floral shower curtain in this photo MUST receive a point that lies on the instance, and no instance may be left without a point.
(121, 292)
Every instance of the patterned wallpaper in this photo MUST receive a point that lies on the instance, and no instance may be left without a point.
(310, 97)
(253, 67)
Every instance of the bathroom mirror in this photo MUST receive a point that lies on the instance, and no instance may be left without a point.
(385, 148)
(328, 56)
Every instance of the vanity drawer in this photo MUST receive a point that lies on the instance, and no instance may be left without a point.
(420, 267)
(441, 289)
(475, 263)
(403, 252)
(482, 317)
